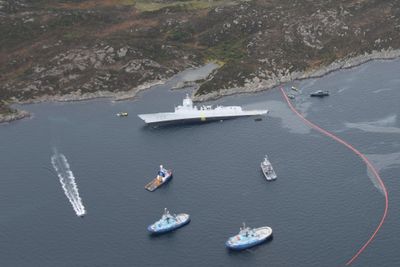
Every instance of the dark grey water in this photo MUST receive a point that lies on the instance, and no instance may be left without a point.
(322, 207)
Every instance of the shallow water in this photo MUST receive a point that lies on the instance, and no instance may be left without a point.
(322, 207)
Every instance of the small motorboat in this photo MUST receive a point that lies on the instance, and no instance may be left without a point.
(320, 93)
(162, 177)
(122, 114)
(248, 237)
(168, 222)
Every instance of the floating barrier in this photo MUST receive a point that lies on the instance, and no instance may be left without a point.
(363, 157)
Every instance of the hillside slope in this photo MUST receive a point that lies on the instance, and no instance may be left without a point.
(80, 49)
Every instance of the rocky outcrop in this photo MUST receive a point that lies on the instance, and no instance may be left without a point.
(17, 115)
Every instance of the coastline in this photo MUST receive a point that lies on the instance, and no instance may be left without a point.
(77, 96)
(251, 86)
(17, 115)
(258, 85)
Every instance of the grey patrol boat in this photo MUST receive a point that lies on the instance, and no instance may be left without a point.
(267, 169)
(187, 112)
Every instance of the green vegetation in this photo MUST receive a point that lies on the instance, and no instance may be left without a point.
(231, 74)
(13, 34)
(227, 51)
(5, 109)
(327, 56)
(69, 36)
(180, 35)
(145, 5)
(128, 2)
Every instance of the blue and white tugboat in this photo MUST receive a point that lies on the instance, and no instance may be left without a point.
(248, 237)
(169, 222)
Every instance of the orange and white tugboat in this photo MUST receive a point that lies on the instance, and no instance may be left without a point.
(163, 176)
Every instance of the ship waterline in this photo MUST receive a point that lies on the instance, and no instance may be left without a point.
(189, 113)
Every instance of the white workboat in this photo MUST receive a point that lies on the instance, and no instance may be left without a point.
(267, 169)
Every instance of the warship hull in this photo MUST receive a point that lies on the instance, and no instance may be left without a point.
(151, 119)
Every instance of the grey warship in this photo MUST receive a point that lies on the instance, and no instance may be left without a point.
(189, 113)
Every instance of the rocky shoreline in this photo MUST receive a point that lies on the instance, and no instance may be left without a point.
(251, 86)
(17, 115)
(78, 50)
(77, 96)
(257, 85)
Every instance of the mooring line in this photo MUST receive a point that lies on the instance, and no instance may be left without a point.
(363, 157)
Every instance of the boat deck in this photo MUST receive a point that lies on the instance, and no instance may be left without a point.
(154, 184)
(158, 181)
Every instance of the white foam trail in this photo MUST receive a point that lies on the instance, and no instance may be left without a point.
(382, 90)
(67, 180)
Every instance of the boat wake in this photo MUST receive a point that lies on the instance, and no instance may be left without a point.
(67, 180)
